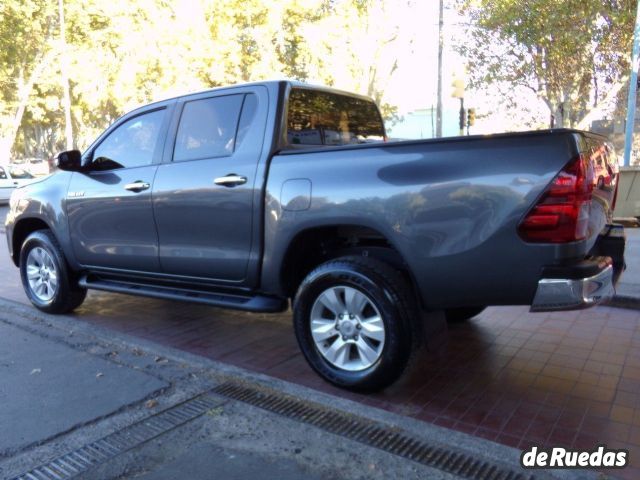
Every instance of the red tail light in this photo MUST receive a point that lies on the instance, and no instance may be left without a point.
(562, 213)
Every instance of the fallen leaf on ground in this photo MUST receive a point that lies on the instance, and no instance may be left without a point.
(214, 412)
(151, 403)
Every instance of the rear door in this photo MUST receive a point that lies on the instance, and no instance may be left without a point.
(207, 191)
(109, 205)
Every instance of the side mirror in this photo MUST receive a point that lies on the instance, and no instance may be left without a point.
(71, 161)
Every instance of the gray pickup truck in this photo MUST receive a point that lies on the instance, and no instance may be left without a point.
(250, 196)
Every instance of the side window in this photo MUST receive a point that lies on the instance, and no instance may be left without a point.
(3, 175)
(208, 128)
(131, 144)
(249, 108)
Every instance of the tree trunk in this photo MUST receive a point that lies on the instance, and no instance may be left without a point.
(24, 91)
(592, 114)
(557, 115)
(64, 70)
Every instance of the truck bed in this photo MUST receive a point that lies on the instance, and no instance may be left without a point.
(451, 208)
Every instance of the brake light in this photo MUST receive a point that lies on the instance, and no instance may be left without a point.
(562, 212)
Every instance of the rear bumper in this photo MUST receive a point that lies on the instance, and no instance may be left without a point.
(586, 283)
(573, 294)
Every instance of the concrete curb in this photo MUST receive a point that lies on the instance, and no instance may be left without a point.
(625, 301)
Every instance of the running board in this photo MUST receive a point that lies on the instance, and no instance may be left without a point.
(256, 303)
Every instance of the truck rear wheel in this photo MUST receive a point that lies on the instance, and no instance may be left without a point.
(356, 322)
(46, 278)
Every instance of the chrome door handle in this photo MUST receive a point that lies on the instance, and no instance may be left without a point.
(230, 180)
(137, 186)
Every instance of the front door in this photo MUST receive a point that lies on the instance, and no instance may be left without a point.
(109, 205)
(205, 196)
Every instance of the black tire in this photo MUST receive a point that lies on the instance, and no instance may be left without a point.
(69, 294)
(392, 296)
(462, 314)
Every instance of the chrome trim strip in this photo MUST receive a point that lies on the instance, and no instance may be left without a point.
(573, 294)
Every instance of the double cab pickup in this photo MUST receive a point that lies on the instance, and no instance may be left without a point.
(268, 195)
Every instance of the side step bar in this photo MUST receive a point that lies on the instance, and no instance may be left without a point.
(257, 303)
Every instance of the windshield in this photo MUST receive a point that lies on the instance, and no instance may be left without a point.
(19, 173)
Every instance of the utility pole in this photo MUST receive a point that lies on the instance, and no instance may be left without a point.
(440, 48)
(633, 87)
(64, 71)
(463, 117)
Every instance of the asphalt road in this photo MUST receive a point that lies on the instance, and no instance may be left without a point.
(31, 365)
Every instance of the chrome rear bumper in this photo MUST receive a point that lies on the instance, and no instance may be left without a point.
(573, 294)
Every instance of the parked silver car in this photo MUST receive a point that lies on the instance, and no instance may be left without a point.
(11, 177)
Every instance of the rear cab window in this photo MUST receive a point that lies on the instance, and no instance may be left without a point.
(319, 118)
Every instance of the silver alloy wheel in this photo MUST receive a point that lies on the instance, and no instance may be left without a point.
(347, 328)
(42, 274)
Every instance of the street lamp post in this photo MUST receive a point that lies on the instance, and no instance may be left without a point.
(462, 116)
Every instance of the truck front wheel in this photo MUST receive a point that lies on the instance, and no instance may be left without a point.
(355, 319)
(46, 278)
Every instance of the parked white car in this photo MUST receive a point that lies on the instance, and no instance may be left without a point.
(12, 176)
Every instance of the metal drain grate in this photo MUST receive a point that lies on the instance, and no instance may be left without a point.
(92, 454)
(370, 433)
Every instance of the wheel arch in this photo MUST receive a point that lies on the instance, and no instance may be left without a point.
(312, 246)
(21, 230)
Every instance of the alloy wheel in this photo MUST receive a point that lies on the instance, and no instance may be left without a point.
(42, 274)
(347, 328)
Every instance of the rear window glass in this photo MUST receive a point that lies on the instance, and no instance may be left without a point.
(324, 118)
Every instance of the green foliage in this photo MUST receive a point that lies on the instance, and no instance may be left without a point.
(122, 54)
(569, 52)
